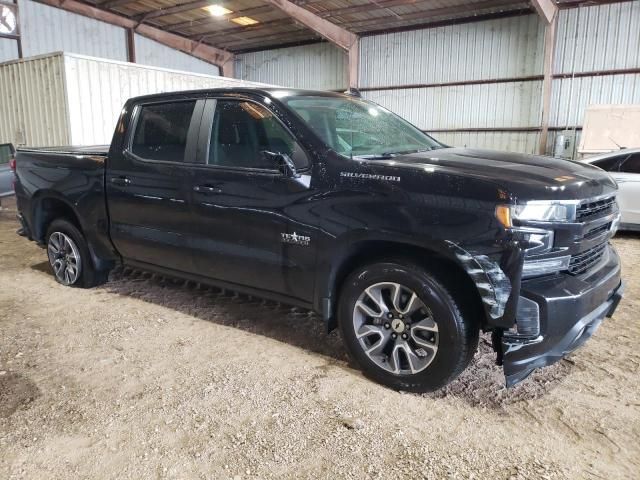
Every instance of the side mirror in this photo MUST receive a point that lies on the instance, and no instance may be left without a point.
(284, 162)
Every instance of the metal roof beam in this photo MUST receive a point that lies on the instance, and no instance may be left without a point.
(547, 9)
(208, 53)
(113, 3)
(337, 35)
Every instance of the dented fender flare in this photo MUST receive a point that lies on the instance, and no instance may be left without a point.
(497, 281)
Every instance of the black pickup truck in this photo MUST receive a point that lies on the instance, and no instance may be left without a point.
(333, 203)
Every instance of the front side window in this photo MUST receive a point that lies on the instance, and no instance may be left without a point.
(358, 128)
(243, 133)
(631, 164)
(161, 131)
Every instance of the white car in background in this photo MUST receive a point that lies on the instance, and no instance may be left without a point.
(624, 167)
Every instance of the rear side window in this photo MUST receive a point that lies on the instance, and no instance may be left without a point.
(610, 164)
(631, 164)
(161, 131)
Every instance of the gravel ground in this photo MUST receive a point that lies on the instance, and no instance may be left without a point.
(148, 377)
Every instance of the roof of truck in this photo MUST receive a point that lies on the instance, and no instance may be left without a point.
(274, 92)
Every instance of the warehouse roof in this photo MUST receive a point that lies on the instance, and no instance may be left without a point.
(245, 25)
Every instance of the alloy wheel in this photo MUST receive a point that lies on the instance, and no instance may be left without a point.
(64, 258)
(395, 328)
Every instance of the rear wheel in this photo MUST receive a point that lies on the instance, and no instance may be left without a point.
(403, 327)
(69, 256)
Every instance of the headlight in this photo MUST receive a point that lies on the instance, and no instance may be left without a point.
(536, 211)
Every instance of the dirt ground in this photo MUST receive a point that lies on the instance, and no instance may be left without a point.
(147, 377)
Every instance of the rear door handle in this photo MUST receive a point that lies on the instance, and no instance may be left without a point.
(121, 181)
(207, 189)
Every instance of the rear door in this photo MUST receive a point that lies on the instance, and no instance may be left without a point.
(248, 215)
(148, 184)
(628, 179)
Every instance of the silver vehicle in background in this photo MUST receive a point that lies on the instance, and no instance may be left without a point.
(6, 174)
(624, 167)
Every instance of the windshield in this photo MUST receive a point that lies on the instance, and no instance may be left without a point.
(357, 128)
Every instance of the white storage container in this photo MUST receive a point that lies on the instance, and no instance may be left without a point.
(68, 99)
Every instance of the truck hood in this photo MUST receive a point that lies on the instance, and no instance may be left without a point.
(525, 176)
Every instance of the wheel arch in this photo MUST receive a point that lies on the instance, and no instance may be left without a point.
(437, 259)
(48, 206)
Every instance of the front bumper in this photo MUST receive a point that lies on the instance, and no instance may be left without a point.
(571, 309)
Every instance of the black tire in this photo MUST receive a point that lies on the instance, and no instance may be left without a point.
(457, 338)
(87, 276)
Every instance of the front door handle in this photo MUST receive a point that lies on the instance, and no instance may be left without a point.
(121, 181)
(207, 189)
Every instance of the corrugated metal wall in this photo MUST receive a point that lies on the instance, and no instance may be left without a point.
(150, 52)
(508, 141)
(320, 66)
(592, 39)
(500, 48)
(33, 108)
(490, 105)
(46, 29)
(489, 50)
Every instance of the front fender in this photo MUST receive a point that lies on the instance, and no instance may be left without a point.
(496, 278)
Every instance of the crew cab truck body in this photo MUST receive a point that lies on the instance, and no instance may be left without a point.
(333, 203)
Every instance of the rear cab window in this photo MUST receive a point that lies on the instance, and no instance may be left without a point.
(161, 130)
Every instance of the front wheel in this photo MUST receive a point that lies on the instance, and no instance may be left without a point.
(403, 327)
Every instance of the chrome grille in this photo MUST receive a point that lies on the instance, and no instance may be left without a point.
(594, 232)
(586, 211)
(583, 261)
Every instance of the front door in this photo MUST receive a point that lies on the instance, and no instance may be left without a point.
(250, 218)
(148, 184)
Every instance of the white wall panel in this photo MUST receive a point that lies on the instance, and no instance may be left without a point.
(33, 108)
(594, 38)
(8, 49)
(150, 52)
(602, 37)
(320, 66)
(572, 96)
(492, 105)
(97, 89)
(62, 99)
(47, 29)
(500, 48)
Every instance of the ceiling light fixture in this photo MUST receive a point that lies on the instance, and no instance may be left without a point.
(244, 21)
(217, 10)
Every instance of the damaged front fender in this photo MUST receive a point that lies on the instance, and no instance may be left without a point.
(497, 281)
